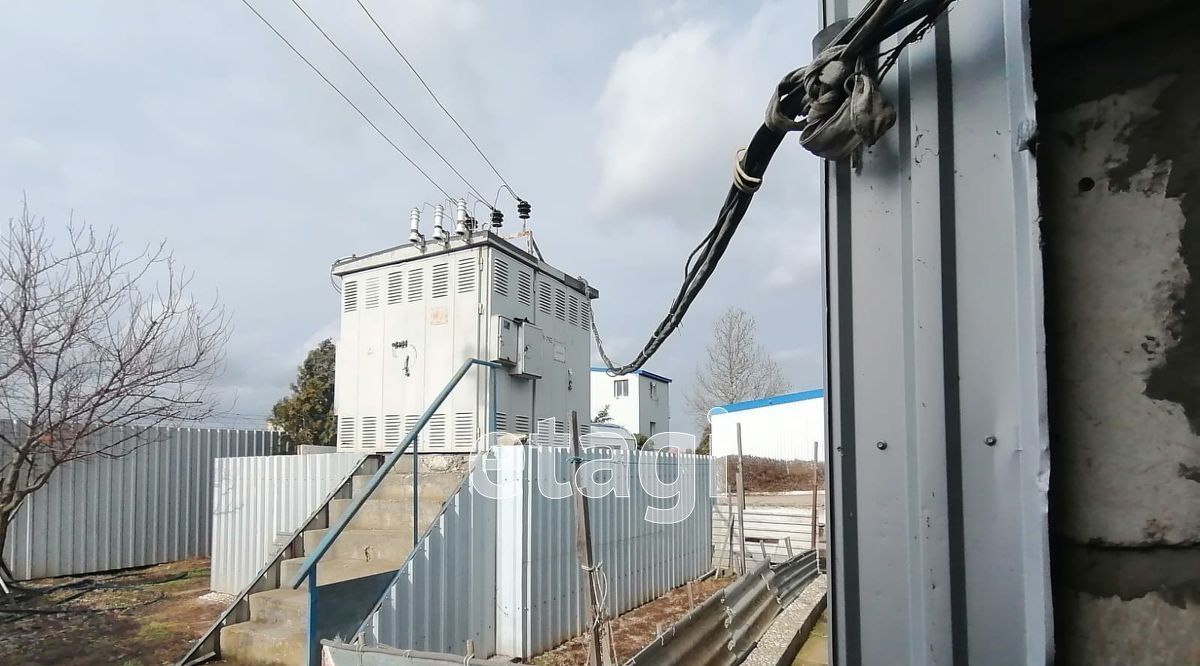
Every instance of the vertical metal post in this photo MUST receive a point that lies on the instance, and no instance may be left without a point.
(741, 505)
(812, 527)
(314, 642)
(494, 403)
(416, 468)
(583, 547)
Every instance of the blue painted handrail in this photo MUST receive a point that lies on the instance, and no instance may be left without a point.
(308, 571)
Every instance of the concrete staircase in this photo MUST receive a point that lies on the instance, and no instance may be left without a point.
(378, 539)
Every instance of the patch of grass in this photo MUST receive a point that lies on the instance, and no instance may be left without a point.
(188, 579)
(131, 662)
(153, 632)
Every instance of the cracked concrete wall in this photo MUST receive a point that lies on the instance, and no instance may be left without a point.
(1119, 177)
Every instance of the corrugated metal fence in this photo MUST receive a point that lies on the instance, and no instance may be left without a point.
(499, 568)
(148, 506)
(540, 594)
(445, 594)
(257, 498)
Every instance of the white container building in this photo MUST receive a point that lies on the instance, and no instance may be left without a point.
(783, 427)
(640, 401)
(411, 315)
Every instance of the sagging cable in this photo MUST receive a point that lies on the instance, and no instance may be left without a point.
(835, 103)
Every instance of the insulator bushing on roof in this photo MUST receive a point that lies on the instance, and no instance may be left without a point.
(523, 209)
(497, 218)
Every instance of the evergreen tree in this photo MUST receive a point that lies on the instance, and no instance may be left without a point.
(307, 416)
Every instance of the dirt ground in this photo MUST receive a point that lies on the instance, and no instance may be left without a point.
(762, 475)
(138, 617)
(636, 628)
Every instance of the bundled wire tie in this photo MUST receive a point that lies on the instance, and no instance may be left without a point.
(742, 180)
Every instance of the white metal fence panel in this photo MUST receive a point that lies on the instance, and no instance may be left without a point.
(779, 531)
(147, 506)
(445, 594)
(639, 558)
(257, 498)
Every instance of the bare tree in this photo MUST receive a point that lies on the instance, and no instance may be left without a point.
(738, 367)
(93, 339)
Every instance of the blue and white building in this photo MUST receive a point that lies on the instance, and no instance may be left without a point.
(640, 401)
(783, 427)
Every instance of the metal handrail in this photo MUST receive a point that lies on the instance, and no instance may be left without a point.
(308, 571)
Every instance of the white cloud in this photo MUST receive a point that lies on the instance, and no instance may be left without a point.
(677, 105)
(796, 257)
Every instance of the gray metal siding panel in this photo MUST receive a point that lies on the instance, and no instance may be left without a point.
(256, 499)
(935, 343)
(148, 506)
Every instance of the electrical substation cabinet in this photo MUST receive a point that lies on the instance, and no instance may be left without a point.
(532, 353)
(507, 343)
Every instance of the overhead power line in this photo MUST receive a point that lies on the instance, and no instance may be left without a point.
(429, 90)
(347, 99)
(385, 98)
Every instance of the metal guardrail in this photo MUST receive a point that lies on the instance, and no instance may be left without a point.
(344, 654)
(308, 571)
(724, 629)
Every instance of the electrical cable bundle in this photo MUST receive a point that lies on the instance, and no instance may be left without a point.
(836, 105)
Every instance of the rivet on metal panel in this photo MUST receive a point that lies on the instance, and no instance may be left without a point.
(990, 440)
(881, 445)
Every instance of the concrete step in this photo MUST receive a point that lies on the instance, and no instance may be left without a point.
(364, 545)
(280, 607)
(386, 514)
(398, 485)
(334, 571)
(264, 644)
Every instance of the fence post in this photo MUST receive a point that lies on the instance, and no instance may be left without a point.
(741, 506)
(812, 526)
(583, 547)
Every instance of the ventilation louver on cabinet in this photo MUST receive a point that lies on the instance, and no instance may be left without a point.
(573, 311)
(369, 432)
(560, 304)
(346, 431)
(437, 431)
(466, 275)
(416, 284)
(349, 295)
(464, 429)
(395, 288)
(545, 299)
(500, 277)
(392, 431)
(372, 293)
(440, 283)
(524, 288)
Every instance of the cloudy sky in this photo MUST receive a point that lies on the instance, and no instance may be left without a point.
(187, 120)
